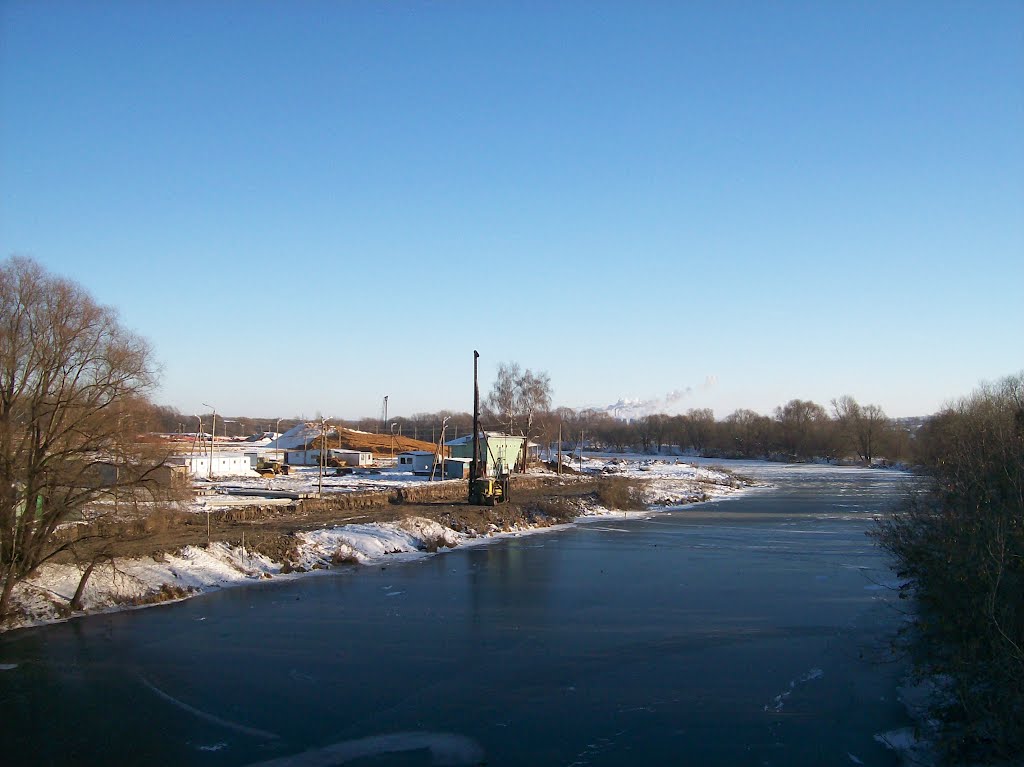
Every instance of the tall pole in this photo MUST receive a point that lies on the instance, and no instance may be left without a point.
(213, 436)
(559, 447)
(196, 440)
(323, 450)
(439, 455)
(474, 468)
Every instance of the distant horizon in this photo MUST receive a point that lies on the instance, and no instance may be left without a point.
(269, 420)
(305, 207)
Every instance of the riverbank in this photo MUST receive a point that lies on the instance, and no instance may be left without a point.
(766, 618)
(176, 555)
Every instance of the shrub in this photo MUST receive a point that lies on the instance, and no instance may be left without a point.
(345, 555)
(557, 509)
(960, 544)
(620, 493)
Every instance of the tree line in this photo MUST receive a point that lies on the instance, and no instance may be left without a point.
(799, 430)
(519, 402)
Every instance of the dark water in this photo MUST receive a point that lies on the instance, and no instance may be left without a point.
(752, 631)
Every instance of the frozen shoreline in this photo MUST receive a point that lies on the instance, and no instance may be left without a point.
(142, 582)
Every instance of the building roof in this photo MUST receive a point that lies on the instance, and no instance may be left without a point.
(183, 457)
(416, 452)
(469, 438)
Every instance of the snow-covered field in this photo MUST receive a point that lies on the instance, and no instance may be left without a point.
(130, 583)
(303, 481)
(669, 481)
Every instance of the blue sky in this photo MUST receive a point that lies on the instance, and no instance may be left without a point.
(745, 202)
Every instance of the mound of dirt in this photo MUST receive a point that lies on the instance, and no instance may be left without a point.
(379, 444)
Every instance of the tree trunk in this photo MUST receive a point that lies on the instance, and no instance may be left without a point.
(76, 600)
(5, 594)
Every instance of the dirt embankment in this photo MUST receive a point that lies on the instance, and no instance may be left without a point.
(271, 530)
(378, 444)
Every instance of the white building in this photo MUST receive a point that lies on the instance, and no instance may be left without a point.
(351, 457)
(312, 457)
(416, 461)
(224, 464)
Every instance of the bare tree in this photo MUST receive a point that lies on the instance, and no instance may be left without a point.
(864, 426)
(801, 423)
(519, 395)
(749, 431)
(534, 396)
(502, 402)
(73, 387)
(700, 426)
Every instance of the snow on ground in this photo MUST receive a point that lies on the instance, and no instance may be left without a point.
(303, 480)
(194, 570)
(372, 542)
(136, 582)
(133, 582)
(668, 481)
(911, 749)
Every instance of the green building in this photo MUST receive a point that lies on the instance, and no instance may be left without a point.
(503, 453)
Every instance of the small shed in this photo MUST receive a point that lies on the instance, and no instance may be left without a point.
(351, 457)
(302, 457)
(456, 468)
(416, 461)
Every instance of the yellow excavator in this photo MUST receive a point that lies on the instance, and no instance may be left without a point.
(488, 491)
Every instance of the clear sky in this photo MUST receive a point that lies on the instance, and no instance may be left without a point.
(306, 206)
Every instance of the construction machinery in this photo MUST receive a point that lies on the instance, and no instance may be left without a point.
(488, 491)
(484, 490)
(269, 469)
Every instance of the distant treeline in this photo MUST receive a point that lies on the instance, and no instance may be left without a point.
(800, 430)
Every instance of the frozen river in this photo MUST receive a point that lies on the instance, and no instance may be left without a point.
(750, 631)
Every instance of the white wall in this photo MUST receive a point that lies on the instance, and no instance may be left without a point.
(224, 464)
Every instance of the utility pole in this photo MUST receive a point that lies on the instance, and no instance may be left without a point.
(439, 455)
(196, 438)
(213, 436)
(559, 447)
(323, 451)
(474, 467)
